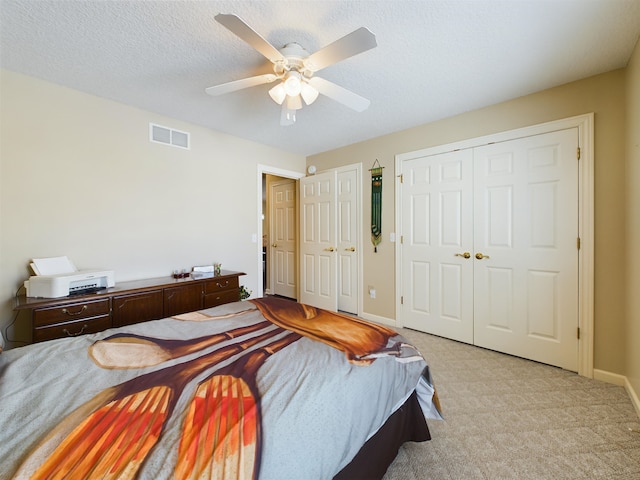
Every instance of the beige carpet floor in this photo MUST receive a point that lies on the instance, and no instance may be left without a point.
(509, 418)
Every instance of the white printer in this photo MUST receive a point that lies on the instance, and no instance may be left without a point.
(57, 277)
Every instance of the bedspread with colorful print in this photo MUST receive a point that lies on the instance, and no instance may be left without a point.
(224, 393)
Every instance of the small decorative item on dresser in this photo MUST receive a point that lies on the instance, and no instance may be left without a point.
(244, 293)
(217, 268)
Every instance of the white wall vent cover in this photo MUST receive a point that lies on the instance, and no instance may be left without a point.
(168, 136)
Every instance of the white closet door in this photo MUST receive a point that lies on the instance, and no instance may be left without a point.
(526, 229)
(437, 276)
(513, 206)
(318, 266)
(347, 241)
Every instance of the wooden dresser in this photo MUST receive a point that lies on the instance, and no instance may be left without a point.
(126, 303)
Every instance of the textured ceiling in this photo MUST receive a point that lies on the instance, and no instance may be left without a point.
(434, 59)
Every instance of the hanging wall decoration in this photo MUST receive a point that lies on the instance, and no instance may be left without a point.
(376, 204)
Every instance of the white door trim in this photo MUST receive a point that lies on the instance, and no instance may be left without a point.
(267, 170)
(584, 124)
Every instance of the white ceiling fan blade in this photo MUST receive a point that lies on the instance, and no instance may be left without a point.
(237, 26)
(340, 94)
(352, 44)
(240, 84)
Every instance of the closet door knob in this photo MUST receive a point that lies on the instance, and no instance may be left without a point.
(465, 255)
(480, 256)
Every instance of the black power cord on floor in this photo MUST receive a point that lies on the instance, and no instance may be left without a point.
(15, 318)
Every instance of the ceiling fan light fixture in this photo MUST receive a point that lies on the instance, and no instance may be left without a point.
(293, 83)
(294, 102)
(278, 94)
(309, 94)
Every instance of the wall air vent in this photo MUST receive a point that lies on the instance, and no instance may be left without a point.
(168, 136)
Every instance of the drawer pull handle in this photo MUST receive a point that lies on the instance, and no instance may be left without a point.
(226, 283)
(69, 334)
(67, 312)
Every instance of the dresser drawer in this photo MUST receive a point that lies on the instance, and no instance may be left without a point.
(219, 298)
(72, 328)
(221, 284)
(71, 312)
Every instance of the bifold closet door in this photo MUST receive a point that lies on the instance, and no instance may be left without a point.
(318, 265)
(526, 232)
(489, 252)
(329, 257)
(437, 231)
(347, 240)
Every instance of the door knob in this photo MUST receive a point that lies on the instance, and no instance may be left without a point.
(329, 249)
(465, 255)
(274, 245)
(351, 249)
(480, 256)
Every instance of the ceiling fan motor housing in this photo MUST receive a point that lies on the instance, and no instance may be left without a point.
(294, 55)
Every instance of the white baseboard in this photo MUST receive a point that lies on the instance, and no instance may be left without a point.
(609, 377)
(622, 381)
(378, 319)
(634, 396)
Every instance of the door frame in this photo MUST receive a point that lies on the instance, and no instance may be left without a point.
(585, 125)
(279, 172)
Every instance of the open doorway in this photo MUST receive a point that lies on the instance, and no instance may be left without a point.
(280, 236)
(277, 224)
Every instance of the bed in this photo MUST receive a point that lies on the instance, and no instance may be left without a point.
(266, 388)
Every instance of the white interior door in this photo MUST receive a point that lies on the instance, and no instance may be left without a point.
(347, 244)
(283, 238)
(526, 231)
(513, 206)
(437, 269)
(318, 265)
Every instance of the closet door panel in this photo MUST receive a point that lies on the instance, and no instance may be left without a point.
(437, 231)
(347, 197)
(526, 230)
(317, 245)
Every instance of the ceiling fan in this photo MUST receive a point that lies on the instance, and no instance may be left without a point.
(294, 69)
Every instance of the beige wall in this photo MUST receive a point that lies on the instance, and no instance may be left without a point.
(605, 96)
(632, 329)
(79, 177)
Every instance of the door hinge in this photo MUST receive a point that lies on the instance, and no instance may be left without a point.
(401, 177)
(401, 299)
(578, 153)
(578, 243)
(578, 333)
(401, 239)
